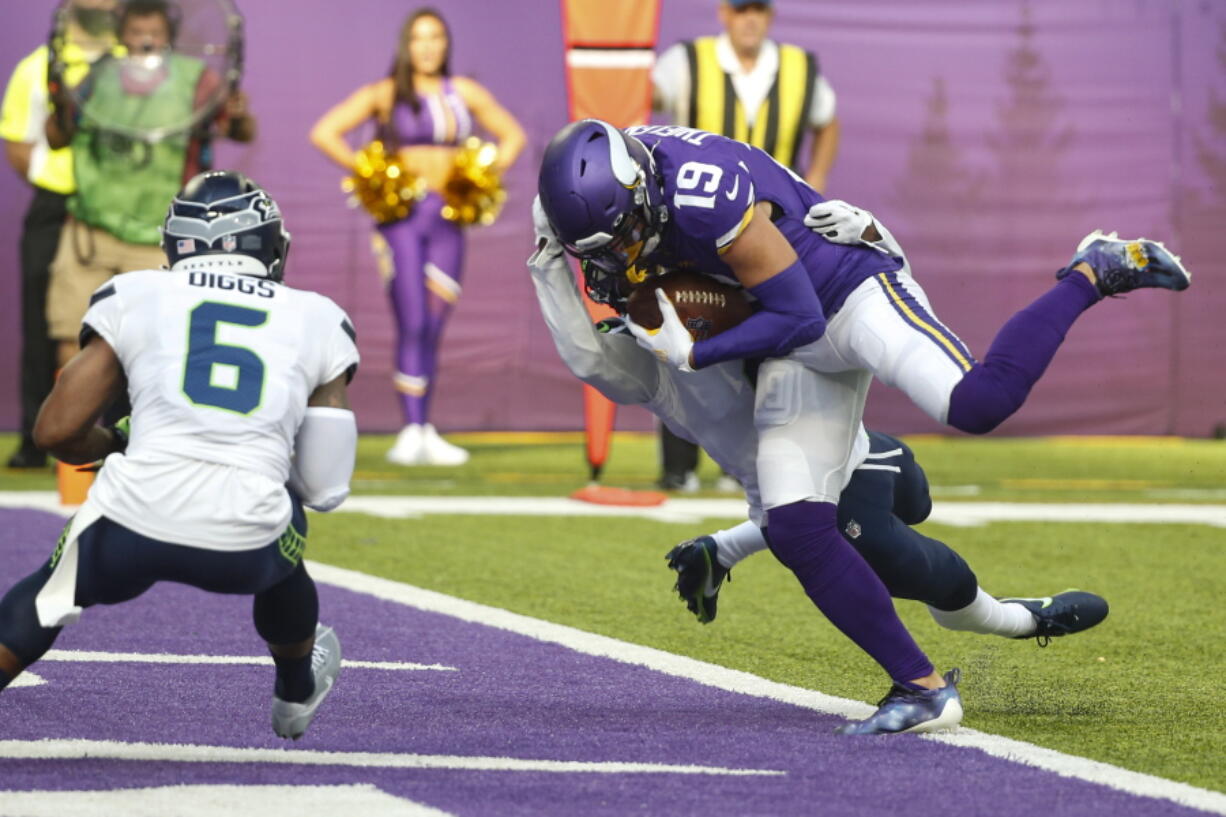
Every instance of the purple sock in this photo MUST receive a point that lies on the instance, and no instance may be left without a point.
(995, 388)
(805, 537)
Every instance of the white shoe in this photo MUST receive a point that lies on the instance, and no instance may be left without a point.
(290, 720)
(409, 448)
(437, 451)
(727, 484)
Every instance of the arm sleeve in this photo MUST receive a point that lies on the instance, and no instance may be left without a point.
(615, 365)
(822, 108)
(790, 315)
(324, 452)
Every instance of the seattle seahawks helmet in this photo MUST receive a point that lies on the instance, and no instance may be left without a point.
(599, 191)
(223, 221)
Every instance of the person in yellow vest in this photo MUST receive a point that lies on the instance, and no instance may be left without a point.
(745, 85)
(124, 183)
(89, 34)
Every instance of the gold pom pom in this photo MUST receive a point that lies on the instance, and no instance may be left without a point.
(382, 185)
(473, 192)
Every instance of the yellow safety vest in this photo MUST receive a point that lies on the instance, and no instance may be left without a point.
(25, 110)
(779, 124)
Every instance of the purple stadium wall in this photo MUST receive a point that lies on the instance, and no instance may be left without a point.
(989, 136)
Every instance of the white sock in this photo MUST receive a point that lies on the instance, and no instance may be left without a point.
(736, 543)
(988, 616)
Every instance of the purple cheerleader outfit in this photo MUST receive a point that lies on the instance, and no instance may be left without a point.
(427, 252)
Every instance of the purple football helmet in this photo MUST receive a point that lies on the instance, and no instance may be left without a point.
(600, 193)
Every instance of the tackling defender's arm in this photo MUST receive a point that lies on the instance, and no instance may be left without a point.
(67, 425)
(614, 366)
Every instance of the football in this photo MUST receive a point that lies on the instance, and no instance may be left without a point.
(705, 305)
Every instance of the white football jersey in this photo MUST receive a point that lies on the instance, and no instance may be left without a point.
(219, 369)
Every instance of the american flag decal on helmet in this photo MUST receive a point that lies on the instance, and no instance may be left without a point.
(186, 245)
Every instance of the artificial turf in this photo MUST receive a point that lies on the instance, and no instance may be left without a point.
(1142, 691)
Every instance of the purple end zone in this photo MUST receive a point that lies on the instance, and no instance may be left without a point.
(512, 697)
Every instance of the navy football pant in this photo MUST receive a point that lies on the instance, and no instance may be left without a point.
(117, 564)
(876, 510)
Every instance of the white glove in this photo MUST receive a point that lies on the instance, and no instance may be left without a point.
(547, 244)
(672, 342)
(838, 221)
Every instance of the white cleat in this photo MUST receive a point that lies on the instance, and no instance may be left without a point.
(290, 720)
(409, 448)
(437, 451)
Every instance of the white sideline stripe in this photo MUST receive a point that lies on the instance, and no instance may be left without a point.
(959, 514)
(211, 800)
(1017, 751)
(27, 679)
(96, 657)
(58, 749)
(610, 58)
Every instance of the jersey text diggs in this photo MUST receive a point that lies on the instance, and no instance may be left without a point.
(233, 283)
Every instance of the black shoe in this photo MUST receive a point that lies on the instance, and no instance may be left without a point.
(1062, 614)
(28, 457)
(699, 575)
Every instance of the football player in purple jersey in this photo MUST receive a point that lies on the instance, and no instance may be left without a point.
(829, 317)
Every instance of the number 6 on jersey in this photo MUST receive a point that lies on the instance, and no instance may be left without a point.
(218, 374)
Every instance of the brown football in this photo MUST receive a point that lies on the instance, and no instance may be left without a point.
(705, 305)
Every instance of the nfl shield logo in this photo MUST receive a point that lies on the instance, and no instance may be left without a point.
(853, 530)
(186, 245)
(228, 243)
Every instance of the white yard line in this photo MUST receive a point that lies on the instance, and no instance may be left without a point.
(962, 514)
(96, 657)
(732, 680)
(211, 800)
(59, 749)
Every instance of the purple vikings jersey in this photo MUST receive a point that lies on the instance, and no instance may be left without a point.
(710, 184)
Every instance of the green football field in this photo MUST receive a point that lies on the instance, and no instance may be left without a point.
(1142, 691)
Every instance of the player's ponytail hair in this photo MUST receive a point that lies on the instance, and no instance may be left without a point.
(402, 66)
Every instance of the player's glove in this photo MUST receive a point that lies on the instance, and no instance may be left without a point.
(547, 245)
(672, 342)
(122, 432)
(838, 221)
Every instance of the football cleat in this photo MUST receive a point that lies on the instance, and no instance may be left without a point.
(1062, 614)
(910, 710)
(289, 719)
(699, 575)
(1124, 265)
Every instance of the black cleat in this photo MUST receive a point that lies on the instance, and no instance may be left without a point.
(699, 575)
(1062, 614)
